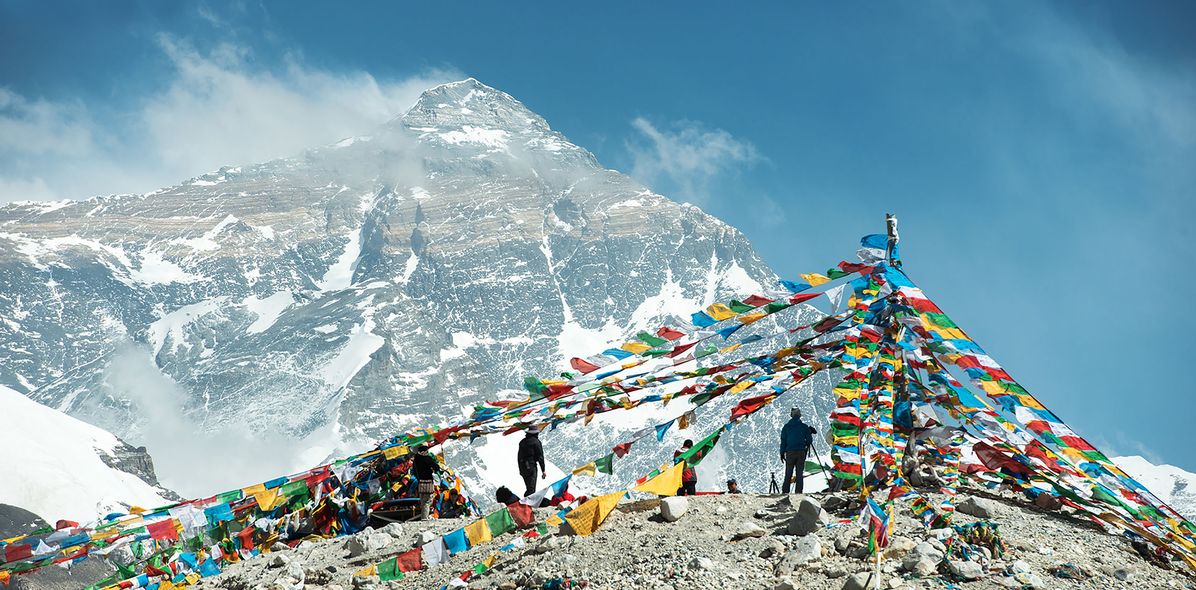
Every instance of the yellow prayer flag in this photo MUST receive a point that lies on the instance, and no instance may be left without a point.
(367, 571)
(394, 452)
(192, 578)
(742, 385)
(585, 519)
(731, 348)
(478, 532)
(553, 520)
(720, 312)
(587, 469)
(266, 498)
(635, 347)
(751, 317)
(489, 561)
(665, 484)
(816, 279)
(253, 489)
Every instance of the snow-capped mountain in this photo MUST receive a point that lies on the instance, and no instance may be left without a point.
(273, 314)
(59, 467)
(1171, 484)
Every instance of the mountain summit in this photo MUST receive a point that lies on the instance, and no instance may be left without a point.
(296, 308)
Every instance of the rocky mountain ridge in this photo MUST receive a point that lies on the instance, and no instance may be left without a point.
(324, 301)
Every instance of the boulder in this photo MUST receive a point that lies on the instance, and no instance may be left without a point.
(748, 529)
(673, 507)
(786, 583)
(810, 518)
(920, 565)
(701, 563)
(860, 581)
(978, 507)
(965, 570)
(925, 549)
(1048, 502)
(807, 549)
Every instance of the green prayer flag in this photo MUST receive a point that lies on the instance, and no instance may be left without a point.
(389, 570)
(650, 340)
(480, 568)
(533, 386)
(738, 306)
(294, 488)
(124, 572)
(229, 496)
(500, 522)
(812, 467)
(606, 464)
(698, 452)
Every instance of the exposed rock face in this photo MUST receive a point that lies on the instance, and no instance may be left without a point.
(131, 459)
(364, 288)
(15, 520)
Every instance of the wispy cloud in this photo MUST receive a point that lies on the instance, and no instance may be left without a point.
(216, 109)
(685, 158)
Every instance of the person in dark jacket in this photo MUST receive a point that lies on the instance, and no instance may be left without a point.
(426, 466)
(505, 496)
(531, 455)
(689, 476)
(796, 438)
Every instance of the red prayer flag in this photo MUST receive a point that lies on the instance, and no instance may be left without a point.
(757, 300)
(799, 297)
(622, 449)
(17, 552)
(582, 365)
(669, 334)
(410, 561)
(522, 514)
(163, 530)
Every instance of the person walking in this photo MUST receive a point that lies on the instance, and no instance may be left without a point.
(796, 438)
(531, 455)
(689, 476)
(426, 466)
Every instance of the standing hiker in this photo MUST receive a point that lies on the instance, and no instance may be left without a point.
(531, 455)
(796, 438)
(425, 467)
(689, 476)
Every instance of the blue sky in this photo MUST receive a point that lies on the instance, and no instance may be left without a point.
(1041, 156)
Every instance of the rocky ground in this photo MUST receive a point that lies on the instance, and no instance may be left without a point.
(740, 541)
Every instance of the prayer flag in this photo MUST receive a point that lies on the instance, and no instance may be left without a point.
(500, 521)
(478, 532)
(606, 464)
(665, 484)
(587, 469)
(585, 519)
(456, 542)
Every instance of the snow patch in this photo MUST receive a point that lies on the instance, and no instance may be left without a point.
(174, 323)
(340, 272)
(325, 329)
(495, 138)
(353, 356)
(267, 310)
(56, 465)
(156, 270)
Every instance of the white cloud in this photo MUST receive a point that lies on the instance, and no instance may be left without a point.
(216, 109)
(686, 158)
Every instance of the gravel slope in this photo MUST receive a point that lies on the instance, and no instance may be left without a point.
(637, 548)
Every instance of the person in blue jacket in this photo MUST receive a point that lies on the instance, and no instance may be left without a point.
(796, 438)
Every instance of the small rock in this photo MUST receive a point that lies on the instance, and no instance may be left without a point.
(860, 581)
(507, 585)
(701, 563)
(721, 510)
(278, 560)
(942, 534)
(394, 529)
(772, 549)
(356, 546)
(807, 549)
(810, 518)
(365, 582)
(673, 507)
(1029, 580)
(426, 537)
(833, 503)
(1019, 567)
(786, 583)
(896, 582)
(841, 544)
(1048, 502)
(965, 570)
(978, 507)
(1123, 575)
(834, 572)
(749, 529)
